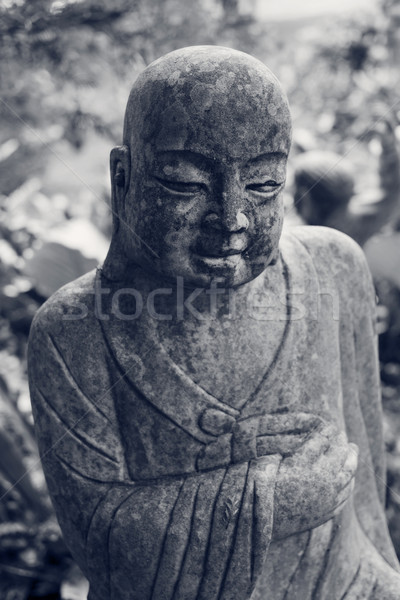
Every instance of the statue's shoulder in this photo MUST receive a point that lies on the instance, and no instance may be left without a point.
(333, 253)
(65, 340)
(68, 311)
(323, 242)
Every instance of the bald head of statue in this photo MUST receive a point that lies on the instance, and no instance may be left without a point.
(197, 185)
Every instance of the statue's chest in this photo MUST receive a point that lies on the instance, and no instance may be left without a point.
(227, 357)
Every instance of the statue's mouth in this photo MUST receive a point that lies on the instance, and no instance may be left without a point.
(221, 254)
(227, 258)
(222, 261)
(234, 246)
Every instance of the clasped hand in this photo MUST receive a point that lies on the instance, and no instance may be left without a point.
(314, 480)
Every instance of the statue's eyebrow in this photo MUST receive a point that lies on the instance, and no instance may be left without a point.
(266, 156)
(195, 158)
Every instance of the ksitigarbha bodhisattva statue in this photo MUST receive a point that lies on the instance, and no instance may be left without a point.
(207, 402)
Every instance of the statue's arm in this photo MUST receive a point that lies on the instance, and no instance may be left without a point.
(367, 366)
(78, 442)
(342, 267)
(370, 490)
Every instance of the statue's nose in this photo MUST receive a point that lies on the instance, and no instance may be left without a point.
(231, 221)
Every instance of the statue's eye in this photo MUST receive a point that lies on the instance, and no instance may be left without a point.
(265, 187)
(181, 187)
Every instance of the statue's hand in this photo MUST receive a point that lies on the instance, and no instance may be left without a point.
(314, 483)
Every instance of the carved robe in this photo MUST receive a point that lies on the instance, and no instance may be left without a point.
(169, 492)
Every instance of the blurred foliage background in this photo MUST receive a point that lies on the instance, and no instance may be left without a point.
(65, 73)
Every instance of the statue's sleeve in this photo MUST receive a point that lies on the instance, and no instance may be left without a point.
(367, 370)
(362, 393)
(77, 436)
(342, 268)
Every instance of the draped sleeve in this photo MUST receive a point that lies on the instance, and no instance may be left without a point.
(76, 428)
(342, 269)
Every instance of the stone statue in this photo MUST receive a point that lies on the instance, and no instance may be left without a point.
(207, 402)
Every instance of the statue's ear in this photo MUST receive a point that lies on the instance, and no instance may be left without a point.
(120, 168)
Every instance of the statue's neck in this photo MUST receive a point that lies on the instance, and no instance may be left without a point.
(175, 296)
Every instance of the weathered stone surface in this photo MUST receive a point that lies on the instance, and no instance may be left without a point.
(207, 403)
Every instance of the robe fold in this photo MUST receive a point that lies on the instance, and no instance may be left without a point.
(103, 417)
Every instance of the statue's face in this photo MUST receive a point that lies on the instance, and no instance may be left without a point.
(206, 187)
